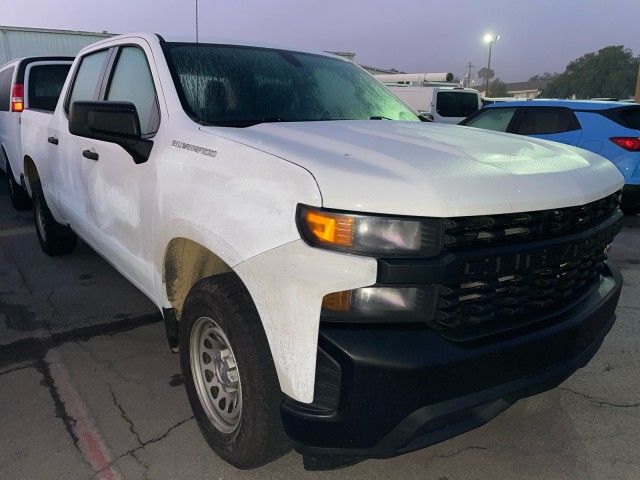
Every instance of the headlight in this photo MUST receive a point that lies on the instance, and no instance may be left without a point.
(375, 235)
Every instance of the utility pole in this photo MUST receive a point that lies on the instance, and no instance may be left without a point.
(486, 77)
(638, 86)
(469, 67)
(490, 39)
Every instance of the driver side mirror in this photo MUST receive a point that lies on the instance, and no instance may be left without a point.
(114, 122)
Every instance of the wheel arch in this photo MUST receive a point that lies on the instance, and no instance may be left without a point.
(186, 262)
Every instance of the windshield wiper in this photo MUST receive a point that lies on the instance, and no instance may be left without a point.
(378, 117)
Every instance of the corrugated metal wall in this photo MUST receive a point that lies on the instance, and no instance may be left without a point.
(25, 42)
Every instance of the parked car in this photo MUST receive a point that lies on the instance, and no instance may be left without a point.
(32, 82)
(610, 129)
(365, 286)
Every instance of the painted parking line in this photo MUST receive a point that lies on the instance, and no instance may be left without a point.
(86, 436)
(14, 232)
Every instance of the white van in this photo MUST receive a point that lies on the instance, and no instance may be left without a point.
(433, 95)
(443, 103)
(32, 82)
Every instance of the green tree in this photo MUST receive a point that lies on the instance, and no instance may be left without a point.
(482, 73)
(609, 72)
(497, 88)
(546, 76)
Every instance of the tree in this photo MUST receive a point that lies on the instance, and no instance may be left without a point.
(544, 77)
(609, 72)
(482, 73)
(497, 88)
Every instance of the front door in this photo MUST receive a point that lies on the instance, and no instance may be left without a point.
(120, 193)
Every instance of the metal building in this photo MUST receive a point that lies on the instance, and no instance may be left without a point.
(25, 42)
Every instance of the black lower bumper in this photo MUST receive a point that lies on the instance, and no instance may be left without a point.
(404, 388)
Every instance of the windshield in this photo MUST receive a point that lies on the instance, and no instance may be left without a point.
(240, 86)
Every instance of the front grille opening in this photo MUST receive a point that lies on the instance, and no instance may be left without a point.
(490, 230)
(493, 303)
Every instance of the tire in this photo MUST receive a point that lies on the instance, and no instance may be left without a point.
(250, 434)
(55, 239)
(19, 198)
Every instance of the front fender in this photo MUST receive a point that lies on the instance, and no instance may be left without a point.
(287, 285)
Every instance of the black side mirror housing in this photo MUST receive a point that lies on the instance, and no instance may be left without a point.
(115, 122)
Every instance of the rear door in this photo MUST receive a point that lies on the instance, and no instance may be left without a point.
(557, 124)
(70, 172)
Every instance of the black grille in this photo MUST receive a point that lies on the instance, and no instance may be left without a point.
(502, 292)
(489, 230)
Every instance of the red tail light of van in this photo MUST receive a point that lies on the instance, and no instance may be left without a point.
(17, 98)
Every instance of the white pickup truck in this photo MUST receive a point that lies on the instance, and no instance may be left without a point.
(337, 275)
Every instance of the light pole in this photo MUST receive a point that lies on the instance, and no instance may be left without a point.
(489, 38)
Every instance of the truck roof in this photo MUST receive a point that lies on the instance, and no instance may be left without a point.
(170, 37)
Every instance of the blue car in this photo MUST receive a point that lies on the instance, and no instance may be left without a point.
(610, 129)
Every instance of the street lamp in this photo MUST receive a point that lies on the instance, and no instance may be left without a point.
(489, 38)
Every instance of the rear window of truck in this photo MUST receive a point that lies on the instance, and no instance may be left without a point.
(45, 86)
(456, 104)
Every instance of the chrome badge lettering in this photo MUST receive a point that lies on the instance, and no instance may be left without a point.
(194, 148)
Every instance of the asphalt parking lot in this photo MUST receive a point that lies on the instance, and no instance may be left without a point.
(89, 389)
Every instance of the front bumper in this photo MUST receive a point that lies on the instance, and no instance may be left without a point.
(402, 388)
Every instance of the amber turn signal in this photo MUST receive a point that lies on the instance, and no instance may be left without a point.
(330, 227)
(337, 301)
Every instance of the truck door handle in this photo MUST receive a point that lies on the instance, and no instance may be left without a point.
(90, 155)
(53, 140)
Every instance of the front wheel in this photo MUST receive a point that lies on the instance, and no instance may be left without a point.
(229, 373)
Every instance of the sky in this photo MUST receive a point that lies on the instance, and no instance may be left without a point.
(536, 36)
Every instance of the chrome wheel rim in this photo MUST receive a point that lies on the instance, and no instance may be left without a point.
(216, 375)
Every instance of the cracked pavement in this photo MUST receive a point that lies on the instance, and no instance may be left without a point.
(122, 388)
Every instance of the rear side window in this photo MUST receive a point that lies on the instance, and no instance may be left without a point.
(497, 119)
(628, 117)
(85, 84)
(547, 120)
(5, 88)
(456, 104)
(45, 85)
(132, 82)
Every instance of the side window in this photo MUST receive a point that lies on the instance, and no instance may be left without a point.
(456, 103)
(497, 119)
(45, 85)
(132, 82)
(547, 120)
(5, 88)
(86, 81)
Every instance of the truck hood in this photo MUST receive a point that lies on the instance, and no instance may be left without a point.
(427, 169)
